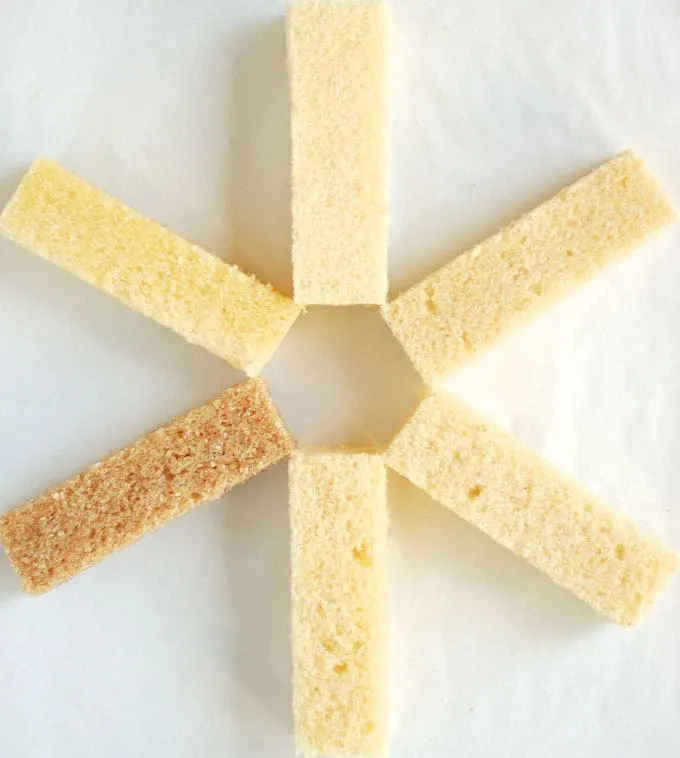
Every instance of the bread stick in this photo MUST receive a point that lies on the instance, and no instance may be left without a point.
(337, 62)
(103, 242)
(493, 481)
(458, 311)
(339, 572)
(195, 458)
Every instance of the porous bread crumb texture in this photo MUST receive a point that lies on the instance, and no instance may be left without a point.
(461, 309)
(103, 242)
(195, 458)
(337, 63)
(493, 481)
(339, 597)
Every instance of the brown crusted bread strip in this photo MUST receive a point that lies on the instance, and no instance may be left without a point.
(195, 458)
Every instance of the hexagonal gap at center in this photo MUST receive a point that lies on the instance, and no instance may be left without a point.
(341, 378)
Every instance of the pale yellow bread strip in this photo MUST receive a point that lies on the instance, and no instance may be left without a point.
(493, 481)
(337, 62)
(339, 575)
(90, 234)
(461, 309)
(195, 458)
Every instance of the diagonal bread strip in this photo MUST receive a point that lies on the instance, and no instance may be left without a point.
(462, 308)
(213, 304)
(195, 458)
(493, 481)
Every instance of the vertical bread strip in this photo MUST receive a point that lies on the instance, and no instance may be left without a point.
(337, 60)
(339, 574)
(491, 480)
(195, 458)
(90, 234)
(461, 309)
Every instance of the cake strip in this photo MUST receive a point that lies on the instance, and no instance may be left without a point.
(103, 242)
(337, 63)
(460, 310)
(195, 458)
(493, 481)
(339, 576)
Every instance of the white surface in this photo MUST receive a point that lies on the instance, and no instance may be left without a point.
(179, 646)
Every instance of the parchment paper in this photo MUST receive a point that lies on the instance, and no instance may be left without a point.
(179, 645)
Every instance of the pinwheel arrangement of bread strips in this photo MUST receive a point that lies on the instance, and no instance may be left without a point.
(338, 63)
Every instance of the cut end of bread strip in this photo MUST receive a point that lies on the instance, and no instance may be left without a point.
(339, 601)
(210, 303)
(460, 310)
(337, 63)
(195, 458)
(492, 480)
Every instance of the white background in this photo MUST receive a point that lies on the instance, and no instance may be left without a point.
(179, 646)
